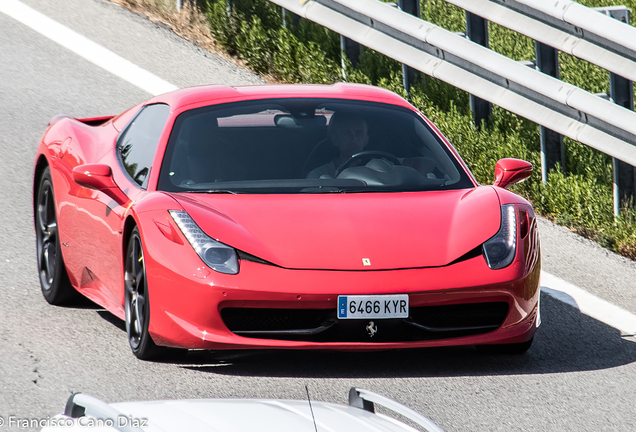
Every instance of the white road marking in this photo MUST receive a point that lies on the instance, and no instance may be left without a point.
(85, 48)
(589, 304)
(551, 285)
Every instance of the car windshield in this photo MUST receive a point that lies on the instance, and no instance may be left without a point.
(306, 146)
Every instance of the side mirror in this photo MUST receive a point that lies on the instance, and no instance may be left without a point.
(511, 171)
(99, 177)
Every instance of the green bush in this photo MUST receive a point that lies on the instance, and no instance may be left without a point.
(303, 52)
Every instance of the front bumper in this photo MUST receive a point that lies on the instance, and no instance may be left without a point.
(192, 306)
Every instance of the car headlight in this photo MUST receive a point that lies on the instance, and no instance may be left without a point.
(500, 250)
(216, 255)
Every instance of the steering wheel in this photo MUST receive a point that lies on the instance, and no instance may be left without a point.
(367, 156)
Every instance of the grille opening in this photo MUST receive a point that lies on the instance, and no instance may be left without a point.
(248, 319)
(460, 315)
(321, 325)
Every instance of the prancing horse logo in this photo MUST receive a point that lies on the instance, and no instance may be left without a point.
(372, 328)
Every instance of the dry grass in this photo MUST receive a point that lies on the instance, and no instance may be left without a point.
(190, 23)
(627, 250)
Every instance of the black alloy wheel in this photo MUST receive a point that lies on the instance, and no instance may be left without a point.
(137, 306)
(136, 300)
(56, 287)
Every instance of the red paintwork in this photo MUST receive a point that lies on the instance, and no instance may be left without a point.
(435, 228)
(410, 238)
(99, 177)
(510, 171)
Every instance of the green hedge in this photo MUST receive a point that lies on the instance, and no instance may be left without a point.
(304, 52)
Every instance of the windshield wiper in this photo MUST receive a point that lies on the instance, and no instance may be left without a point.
(323, 189)
(220, 191)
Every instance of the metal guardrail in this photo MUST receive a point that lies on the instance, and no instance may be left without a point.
(437, 52)
(562, 24)
(577, 19)
(580, 40)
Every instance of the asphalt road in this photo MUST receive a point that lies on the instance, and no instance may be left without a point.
(578, 376)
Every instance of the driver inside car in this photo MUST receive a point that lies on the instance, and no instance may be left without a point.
(349, 134)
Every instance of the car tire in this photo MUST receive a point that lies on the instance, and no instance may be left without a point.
(54, 281)
(513, 349)
(136, 300)
(137, 305)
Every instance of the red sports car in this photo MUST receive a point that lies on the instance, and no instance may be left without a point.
(284, 216)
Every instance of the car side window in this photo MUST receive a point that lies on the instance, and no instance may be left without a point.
(138, 143)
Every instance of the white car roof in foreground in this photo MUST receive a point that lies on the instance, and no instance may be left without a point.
(244, 415)
(259, 415)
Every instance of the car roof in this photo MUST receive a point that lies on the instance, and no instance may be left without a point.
(238, 415)
(193, 97)
(242, 415)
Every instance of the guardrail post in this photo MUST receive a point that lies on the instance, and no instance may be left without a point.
(295, 19)
(624, 181)
(408, 73)
(351, 50)
(552, 149)
(477, 31)
(621, 93)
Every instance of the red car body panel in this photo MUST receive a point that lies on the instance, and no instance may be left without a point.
(414, 240)
(301, 232)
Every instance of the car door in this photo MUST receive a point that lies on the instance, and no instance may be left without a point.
(101, 218)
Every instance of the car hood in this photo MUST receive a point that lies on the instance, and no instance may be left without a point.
(359, 231)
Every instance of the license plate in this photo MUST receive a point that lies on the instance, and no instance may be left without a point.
(369, 306)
